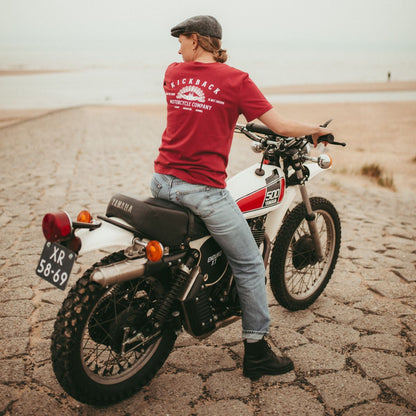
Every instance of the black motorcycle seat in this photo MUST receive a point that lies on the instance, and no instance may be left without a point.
(158, 219)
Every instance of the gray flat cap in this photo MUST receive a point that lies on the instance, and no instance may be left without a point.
(204, 25)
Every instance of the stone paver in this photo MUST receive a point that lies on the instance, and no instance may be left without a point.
(228, 384)
(290, 401)
(344, 389)
(315, 357)
(225, 408)
(332, 335)
(404, 386)
(354, 349)
(379, 364)
(385, 409)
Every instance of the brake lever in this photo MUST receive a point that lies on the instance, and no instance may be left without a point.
(326, 123)
(329, 138)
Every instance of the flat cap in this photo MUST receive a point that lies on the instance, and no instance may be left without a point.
(204, 25)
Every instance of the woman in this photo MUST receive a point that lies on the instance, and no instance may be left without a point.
(204, 99)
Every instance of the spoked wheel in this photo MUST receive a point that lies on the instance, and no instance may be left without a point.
(297, 278)
(104, 347)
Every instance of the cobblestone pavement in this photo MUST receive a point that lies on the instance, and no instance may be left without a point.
(354, 350)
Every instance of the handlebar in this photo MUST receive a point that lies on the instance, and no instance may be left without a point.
(261, 129)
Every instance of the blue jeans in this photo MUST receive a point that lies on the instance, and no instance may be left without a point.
(228, 226)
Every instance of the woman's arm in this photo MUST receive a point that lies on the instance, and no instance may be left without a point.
(291, 128)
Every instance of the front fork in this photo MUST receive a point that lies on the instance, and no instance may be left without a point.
(310, 215)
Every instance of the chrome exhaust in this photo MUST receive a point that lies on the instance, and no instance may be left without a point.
(119, 272)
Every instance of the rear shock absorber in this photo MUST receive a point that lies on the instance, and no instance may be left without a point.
(181, 278)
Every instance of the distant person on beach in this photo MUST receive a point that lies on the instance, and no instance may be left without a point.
(388, 76)
(204, 100)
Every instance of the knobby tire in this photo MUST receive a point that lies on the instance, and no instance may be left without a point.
(296, 278)
(68, 344)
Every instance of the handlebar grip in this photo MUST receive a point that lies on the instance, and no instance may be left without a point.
(258, 128)
(329, 138)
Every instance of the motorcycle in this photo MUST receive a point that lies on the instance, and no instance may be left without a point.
(119, 322)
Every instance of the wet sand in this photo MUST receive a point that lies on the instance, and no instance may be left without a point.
(346, 87)
(22, 72)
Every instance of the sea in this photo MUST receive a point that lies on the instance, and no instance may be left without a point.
(127, 76)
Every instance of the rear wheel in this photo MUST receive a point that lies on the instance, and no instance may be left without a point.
(90, 356)
(297, 278)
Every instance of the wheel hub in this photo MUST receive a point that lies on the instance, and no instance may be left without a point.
(123, 326)
(304, 253)
(109, 328)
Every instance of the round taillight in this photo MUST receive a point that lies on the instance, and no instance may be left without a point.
(154, 250)
(56, 226)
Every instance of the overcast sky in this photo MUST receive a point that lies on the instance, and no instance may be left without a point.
(347, 23)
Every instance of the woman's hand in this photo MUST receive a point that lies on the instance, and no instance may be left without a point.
(291, 128)
(322, 131)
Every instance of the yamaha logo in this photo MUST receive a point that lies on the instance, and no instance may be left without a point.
(124, 206)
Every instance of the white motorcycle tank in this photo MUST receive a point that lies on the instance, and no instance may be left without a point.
(256, 194)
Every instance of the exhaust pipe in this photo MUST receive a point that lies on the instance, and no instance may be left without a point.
(119, 272)
(132, 269)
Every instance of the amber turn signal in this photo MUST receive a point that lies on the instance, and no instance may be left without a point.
(154, 250)
(84, 216)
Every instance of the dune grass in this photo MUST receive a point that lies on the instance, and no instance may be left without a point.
(376, 172)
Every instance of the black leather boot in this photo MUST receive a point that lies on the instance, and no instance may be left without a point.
(260, 360)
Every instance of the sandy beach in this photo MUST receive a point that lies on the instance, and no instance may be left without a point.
(375, 133)
(381, 133)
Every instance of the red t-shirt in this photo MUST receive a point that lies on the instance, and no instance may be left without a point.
(203, 103)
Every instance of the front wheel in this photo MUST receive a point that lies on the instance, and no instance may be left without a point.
(297, 278)
(90, 356)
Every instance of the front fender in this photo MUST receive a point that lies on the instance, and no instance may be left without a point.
(105, 236)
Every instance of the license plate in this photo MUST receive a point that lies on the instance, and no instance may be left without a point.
(55, 264)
